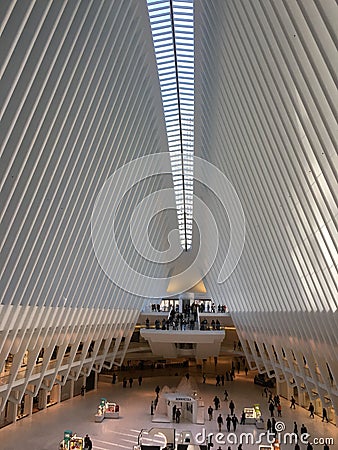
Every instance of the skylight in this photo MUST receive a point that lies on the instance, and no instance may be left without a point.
(172, 25)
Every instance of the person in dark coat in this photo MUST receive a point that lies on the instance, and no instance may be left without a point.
(220, 422)
(303, 429)
(268, 424)
(234, 422)
(325, 415)
(228, 421)
(210, 411)
(216, 402)
(312, 410)
(174, 412)
(243, 418)
(88, 445)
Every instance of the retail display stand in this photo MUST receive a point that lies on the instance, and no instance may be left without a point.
(253, 415)
(107, 410)
(112, 411)
(71, 441)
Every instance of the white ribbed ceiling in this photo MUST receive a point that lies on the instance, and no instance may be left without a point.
(80, 97)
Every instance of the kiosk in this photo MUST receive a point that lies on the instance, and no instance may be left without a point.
(71, 441)
(107, 410)
(76, 443)
(253, 415)
(112, 411)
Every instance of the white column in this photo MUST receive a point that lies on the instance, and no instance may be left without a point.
(12, 410)
(42, 399)
(28, 408)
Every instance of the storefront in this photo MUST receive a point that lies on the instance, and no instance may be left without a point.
(191, 409)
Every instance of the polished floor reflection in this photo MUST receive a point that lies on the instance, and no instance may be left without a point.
(44, 430)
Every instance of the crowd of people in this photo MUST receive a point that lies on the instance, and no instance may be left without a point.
(231, 421)
(228, 420)
(182, 322)
(188, 318)
(203, 306)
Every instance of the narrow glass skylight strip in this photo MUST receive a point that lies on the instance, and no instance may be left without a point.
(175, 62)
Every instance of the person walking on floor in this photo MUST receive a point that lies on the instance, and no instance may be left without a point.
(273, 425)
(234, 422)
(242, 418)
(216, 402)
(178, 415)
(228, 421)
(210, 411)
(220, 422)
(174, 413)
(88, 445)
(303, 429)
(325, 415)
(293, 402)
(231, 407)
(268, 424)
(312, 410)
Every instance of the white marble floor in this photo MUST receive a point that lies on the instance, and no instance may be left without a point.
(44, 430)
